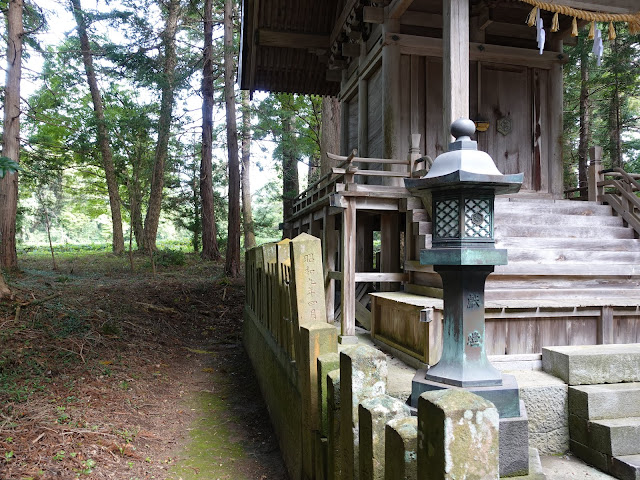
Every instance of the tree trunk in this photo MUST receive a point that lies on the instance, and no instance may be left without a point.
(135, 200)
(168, 82)
(103, 135)
(290, 184)
(585, 117)
(210, 249)
(329, 132)
(11, 140)
(247, 213)
(615, 129)
(232, 263)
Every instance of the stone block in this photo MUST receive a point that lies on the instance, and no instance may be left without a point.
(594, 402)
(626, 467)
(363, 374)
(514, 445)
(615, 436)
(546, 400)
(373, 415)
(307, 280)
(457, 436)
(334, 446)
(593, 364)
(401, 449)
(315, 339)
(589, 455)
(326, 363)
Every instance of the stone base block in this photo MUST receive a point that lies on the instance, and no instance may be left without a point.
(535, 467)
(593, 364)
(514, 445)
(626, 467)
(505, 397)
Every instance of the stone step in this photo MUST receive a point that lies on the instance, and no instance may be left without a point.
(557, 256)
(593, 364)
(557, 219)
(626, 467)
(616, 436)
(602, 402)
(567, 269)
(606, 296)
(590, 244)
(612, 437)
(603, 233)
(588, 209)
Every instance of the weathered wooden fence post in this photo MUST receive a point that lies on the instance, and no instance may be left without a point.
(594, 175)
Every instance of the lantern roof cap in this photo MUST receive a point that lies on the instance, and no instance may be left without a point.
(464, 166)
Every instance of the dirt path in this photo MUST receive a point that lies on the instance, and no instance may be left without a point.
(108, 374)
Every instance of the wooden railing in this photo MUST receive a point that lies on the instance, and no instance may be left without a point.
(620, 190)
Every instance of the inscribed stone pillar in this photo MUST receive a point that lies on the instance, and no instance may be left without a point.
(373, 414)
(401, 447)
(457, 436)
(307, 280)
(363, 374)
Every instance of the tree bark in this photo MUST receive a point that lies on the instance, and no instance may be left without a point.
(210, 249)
(168, 83)
(104, 141)
(232, 262)
(615, 128)
(585, 117)
(290, 183)
(11, 140)
(247, 213)
(329, 132)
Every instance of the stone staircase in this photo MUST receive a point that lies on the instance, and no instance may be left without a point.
(558, 250)
(604, 418)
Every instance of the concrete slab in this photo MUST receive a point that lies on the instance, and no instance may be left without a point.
(569, 467)
(593, 364)
(595, 402)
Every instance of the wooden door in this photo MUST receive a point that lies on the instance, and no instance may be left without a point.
(505, 101)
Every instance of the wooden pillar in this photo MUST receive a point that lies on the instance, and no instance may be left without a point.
(389, 247)
(594, 175)
(348, 327)
(363, 118)
(390, 94)
(329, 252)
(455, 62)
(556, 93)
(605, 334)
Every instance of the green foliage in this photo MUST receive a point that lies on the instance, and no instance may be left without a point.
(8, 166)
(169, 257)
(613, 101)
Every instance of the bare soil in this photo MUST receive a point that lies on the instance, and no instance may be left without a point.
(108, 373)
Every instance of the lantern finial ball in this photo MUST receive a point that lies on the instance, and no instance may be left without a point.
(463, 127)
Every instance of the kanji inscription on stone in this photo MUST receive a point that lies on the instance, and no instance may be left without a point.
(307, 278)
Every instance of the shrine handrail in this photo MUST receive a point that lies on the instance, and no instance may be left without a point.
(620, 190)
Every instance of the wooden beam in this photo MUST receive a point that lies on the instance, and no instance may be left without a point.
(337, 29)
(350, 50)
(609, 6)
(455, 64)
(373, 15)
(274, 38)
(421, 19)
(432, 47)
(373, 277)
(397, 7)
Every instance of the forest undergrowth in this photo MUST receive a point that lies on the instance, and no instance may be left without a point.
(111, 373)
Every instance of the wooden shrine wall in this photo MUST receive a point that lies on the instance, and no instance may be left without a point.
(516, 97)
